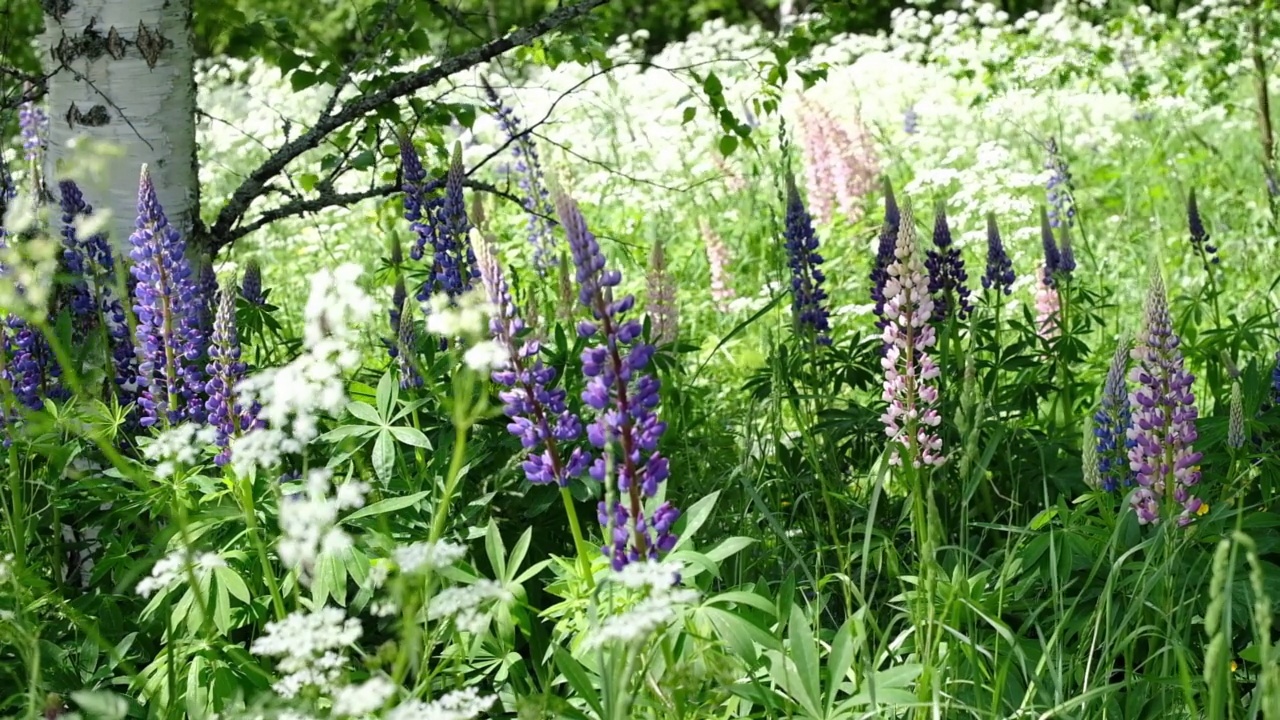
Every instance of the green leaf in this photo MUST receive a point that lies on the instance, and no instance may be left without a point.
(411, 436)
(576, 676)
(384, 456)
(728, 143)
(731, 546)
(805, 655)
(838, 662)
(696, 515)
(388, 389)
(712, 86)
(365, 412)
(303, 79)
(308, 181)
(386, 506)
(100, 704)
(689, 113)
(234, 583)
(495, 549)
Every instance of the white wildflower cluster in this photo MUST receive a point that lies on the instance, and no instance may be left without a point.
(6, 567)
(468, 605)
(660, 606)
(29, 266)
(363, 699)
(464, 704)
(310, 647)
(294, 396)
(178, 446)
(172, 568)
(467, 318)
(309, 522)
(424, 556)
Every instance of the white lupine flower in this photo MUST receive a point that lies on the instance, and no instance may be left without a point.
(363, 699)
(171, 569)
(422, 556)
(464, 704)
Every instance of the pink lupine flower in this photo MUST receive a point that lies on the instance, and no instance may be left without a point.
(662, 297)
(733, 179)
(1047, 305)
(718, 257)
(841, 166)
(912, 416)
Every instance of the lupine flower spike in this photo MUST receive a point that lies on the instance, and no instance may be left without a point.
(1235, 424)
(718, 258)
(531, 180)
(1062, 207)
(539, 416)
(1199, 236)
(946, 272)
(422, 207)
(808, 298)
(251, 286)
(1164, 420)
(1052, 256)
(1066, 254)
(626, 429)
(999, 275)
(407, 347)
(228, 416)
(884, 251)
(1048, 304)
(841, 167)
(662, 297)
(398, 296)
(462, 268)
(911, 420)
(168, 313)
(1111, 425)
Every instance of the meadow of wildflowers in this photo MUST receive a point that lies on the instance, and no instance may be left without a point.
(931, 374)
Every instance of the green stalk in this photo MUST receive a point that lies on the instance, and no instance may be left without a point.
(251, 524)
(579, 544)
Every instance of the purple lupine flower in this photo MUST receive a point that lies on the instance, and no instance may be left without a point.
(946, 272)
(1052, 257)
(1199, 236)
(33, 372)
(999, 274)
(251, 286)
(461, 269)
(1066, 254)
(398, 296)
(910, 120)
(83, 278)
(422, 205)
(226, 369)
(1275, 380)
(33, 125)
(1111, 425)
(168, 310)
(1164, 419)
(807, 295)
(912, 416)
(539, 416)
(663, 309)
(407, 348)
(884, 252)
(531, 181)
(626, 428)
(1062, 206)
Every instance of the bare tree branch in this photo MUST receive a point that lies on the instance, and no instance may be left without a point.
(325, 200)
(357, 107)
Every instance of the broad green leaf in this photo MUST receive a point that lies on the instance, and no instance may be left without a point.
(728, 144)
(234, 583)
(838, 662)
(696, 515)
(365, 412)
(384, 456)
(577, 677)
(388, 390)
(100, 704)
(411, 436)
(386, 506)
(495, 549)
(518, 552)
(728, 548)
(740, 597)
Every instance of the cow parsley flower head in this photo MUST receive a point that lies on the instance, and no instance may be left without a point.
(465, 704)
(309, 646)
(171, 569)
(427, 556)
(309, 522)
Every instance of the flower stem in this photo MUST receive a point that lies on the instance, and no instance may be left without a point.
(251, 523)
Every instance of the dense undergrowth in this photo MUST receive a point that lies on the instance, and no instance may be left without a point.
(937, 376)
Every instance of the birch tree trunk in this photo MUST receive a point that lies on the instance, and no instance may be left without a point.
(122, 74)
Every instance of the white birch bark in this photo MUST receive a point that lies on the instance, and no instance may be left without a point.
(123, 75)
